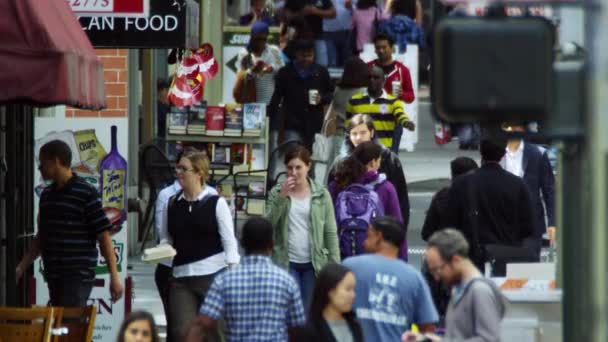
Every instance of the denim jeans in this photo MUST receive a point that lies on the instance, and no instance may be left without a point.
(397, 133)
(162, 278)
(321, 52)
(70, 292)
(304, 274)
(468, 134)
(338, 47)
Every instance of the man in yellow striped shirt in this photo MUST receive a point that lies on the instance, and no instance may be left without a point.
(385, 109)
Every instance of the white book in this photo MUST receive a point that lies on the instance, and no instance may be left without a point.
(159, 253)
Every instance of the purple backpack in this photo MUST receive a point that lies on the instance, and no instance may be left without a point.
(356, 206)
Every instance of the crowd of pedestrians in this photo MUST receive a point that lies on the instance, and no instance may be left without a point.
(328, 261)
(339, 28)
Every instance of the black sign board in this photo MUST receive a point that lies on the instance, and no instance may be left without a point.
(172, 23)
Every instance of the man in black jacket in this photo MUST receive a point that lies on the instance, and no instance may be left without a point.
(490, 205)
(296, 112)
(437, 215)
(531, 163)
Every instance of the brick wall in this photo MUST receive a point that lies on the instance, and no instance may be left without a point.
(116, 83)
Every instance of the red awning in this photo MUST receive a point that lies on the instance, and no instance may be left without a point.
(46, 58)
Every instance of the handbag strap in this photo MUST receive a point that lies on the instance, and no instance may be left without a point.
(329, 116)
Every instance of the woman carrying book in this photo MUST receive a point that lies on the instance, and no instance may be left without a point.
(198, 224)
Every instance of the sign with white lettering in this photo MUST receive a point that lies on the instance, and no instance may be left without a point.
(169, 24)
(114, 8)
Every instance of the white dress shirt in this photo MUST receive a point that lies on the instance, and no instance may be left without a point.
(514, 160)
(160, 207)
(216, 262)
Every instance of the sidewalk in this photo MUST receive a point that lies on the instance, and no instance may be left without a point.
(145, 294)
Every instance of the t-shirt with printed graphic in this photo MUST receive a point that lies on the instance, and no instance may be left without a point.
(390, 296)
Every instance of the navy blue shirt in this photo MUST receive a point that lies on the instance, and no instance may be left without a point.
(70, 218)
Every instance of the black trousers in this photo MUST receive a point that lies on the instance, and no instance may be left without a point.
(69, 292)
(162, 278)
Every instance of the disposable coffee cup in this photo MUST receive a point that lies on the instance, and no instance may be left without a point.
(396, 87)
(312, 96)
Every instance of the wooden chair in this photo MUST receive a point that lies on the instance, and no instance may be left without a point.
(79, 321)
(26, 324)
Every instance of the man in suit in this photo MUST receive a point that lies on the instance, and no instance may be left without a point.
(531, 163)
(491, 205)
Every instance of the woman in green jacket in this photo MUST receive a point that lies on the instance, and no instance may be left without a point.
(302, 214)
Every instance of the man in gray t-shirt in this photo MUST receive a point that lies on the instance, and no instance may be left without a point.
(390, 294)
(477, 306)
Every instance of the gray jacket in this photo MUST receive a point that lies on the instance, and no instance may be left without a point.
(475, 316)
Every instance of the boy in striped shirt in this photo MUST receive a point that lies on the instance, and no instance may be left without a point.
(386, 110)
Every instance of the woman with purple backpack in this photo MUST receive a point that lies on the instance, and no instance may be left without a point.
(360, 193)
(360, 129)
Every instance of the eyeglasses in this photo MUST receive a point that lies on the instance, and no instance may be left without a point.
(180, 169)
(437, 270)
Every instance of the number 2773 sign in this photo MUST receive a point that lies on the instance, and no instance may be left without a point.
(113, 8)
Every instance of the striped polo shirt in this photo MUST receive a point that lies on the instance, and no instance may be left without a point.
(385, 112)
(70, 218)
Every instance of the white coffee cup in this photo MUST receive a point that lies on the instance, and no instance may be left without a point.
(396, 87)
(312, 96)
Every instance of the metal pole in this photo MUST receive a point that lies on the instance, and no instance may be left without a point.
(584, 231)
(211, 23)
(134, 142)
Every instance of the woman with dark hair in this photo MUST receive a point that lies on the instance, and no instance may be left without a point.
(331, 318)
(139, 326)
(361, 129)
(358, 181)
(302, 212)
(362, 167)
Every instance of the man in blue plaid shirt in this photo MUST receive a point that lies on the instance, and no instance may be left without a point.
(258, 300)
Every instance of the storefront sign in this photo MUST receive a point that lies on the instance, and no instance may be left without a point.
(169, 24)
(114, 8)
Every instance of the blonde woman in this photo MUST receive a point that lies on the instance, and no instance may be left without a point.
(198, 224)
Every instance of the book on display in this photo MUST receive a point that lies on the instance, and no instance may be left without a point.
(233, 125)
(215, 120)
(254, 115)
(197, 122)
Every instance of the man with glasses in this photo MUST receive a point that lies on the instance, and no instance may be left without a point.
(477, 306)
(71, 222)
